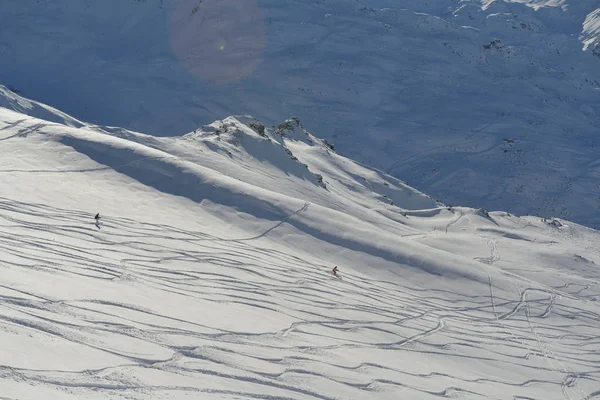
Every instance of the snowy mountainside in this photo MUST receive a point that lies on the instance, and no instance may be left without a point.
(591, 32)
(13, 101)
(498, 97)
(208, 275)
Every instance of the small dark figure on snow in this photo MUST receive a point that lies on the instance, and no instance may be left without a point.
(97, 218)
(335, 270)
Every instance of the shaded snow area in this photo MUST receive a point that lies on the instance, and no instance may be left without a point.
(491, 103)
(208, 274)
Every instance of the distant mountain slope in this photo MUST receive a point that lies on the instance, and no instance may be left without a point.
(498, 97)
(591, 32)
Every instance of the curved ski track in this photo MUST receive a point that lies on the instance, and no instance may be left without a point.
(322, 354)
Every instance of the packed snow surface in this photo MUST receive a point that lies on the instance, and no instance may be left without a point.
(492, 103)
(208, 275)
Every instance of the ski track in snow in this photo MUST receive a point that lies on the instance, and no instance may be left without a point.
(322, 355)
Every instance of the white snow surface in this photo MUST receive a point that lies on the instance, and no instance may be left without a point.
(591, 30)
(491, 103)
(209, 274)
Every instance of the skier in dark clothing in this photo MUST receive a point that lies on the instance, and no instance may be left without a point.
(97, 217)
(335, 270)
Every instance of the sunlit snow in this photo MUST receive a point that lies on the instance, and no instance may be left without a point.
(208, 274)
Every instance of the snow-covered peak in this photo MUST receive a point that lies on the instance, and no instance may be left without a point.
(293, 130)
(288, 159)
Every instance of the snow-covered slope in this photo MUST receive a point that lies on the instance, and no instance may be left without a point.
(478, 102)
(208, 275)
(591, 32)
(11, 100)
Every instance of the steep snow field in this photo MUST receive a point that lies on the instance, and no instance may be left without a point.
(209, 274)
(478, 102)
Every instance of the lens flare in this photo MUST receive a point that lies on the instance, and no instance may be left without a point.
(217, 40)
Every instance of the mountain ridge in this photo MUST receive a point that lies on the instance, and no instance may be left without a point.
(432, 97)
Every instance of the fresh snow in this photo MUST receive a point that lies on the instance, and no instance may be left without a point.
(591, 30)
(208, 275)
(485, 103)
